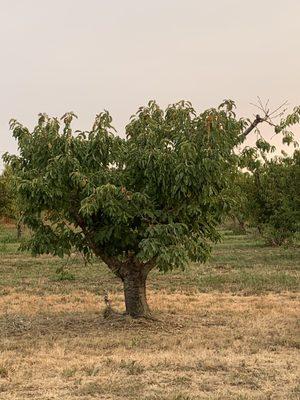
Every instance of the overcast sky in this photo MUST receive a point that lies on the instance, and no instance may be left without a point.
(85, 56)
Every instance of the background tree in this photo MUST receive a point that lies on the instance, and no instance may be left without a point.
(154, 199)
(274, 199)
(5, 197)
(270, 194)
(240, 212)
(9, 205)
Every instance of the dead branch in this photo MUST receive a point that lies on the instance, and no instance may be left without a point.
(279, 111)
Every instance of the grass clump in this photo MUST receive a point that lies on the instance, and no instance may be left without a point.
(63, 275)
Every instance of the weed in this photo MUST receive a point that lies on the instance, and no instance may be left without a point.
(91, 370)
(132, 367)
(69, 372)
(62, 275)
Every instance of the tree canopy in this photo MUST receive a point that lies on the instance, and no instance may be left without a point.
(273, 199)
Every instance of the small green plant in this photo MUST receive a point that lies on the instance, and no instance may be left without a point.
(62, 275)
(132, 367)
(92, 370)
(69, 372)
(181, 397)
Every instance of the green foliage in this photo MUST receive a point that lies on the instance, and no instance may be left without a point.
(155, 197)
(286, 123)
(9, 200)
(272, 199)
(63, 275)
(159, 194)
(239, 212)
(6, 194)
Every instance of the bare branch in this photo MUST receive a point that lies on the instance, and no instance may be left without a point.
(259, 107)
(278, 112)
(266, 105)
(279, 108)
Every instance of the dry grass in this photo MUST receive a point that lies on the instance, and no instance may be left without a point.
(205, 346)
(226, 330)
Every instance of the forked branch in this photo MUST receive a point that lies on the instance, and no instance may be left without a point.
(267, 117)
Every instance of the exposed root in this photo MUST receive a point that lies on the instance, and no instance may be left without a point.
(109, 312)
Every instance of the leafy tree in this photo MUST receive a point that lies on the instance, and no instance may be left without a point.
(154, 199)
(240, 211)
(9, 207)
(4, 199)
(274, 199)
(6, 195)
(270, 194)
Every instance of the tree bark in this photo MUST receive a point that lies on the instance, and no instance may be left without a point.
(253, 125)
(241, 225)
(134, 276)
(134, 282)
(19, 230)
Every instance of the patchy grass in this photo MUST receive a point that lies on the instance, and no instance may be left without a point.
(225, 330)
(240, 264)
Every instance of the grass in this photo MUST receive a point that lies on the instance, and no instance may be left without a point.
(239, 264)
(225, 330)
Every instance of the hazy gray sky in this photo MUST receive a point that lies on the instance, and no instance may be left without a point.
(84, 56)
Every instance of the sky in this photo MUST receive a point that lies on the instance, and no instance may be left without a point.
(86, 56)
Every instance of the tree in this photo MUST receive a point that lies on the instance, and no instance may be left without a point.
(240, 193)
(273, 199)
(154, 199)
(9, 207)
(4, 196)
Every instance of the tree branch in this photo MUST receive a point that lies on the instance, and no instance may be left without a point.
(116, 266)
(113, 264)
(266, 117)
(253, 125)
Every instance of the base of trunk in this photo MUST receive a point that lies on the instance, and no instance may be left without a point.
(135, 294)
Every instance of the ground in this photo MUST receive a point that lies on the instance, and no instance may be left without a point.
(225, 330)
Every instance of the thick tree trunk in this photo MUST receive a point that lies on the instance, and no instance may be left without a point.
(133, 275)
(135, 293)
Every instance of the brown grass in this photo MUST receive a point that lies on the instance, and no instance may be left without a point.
(204, 346)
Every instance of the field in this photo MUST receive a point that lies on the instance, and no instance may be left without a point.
(224, 330)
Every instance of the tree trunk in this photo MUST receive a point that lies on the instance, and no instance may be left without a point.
(135, 293)
(241, 226)
(19, 230)
(133, 275)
